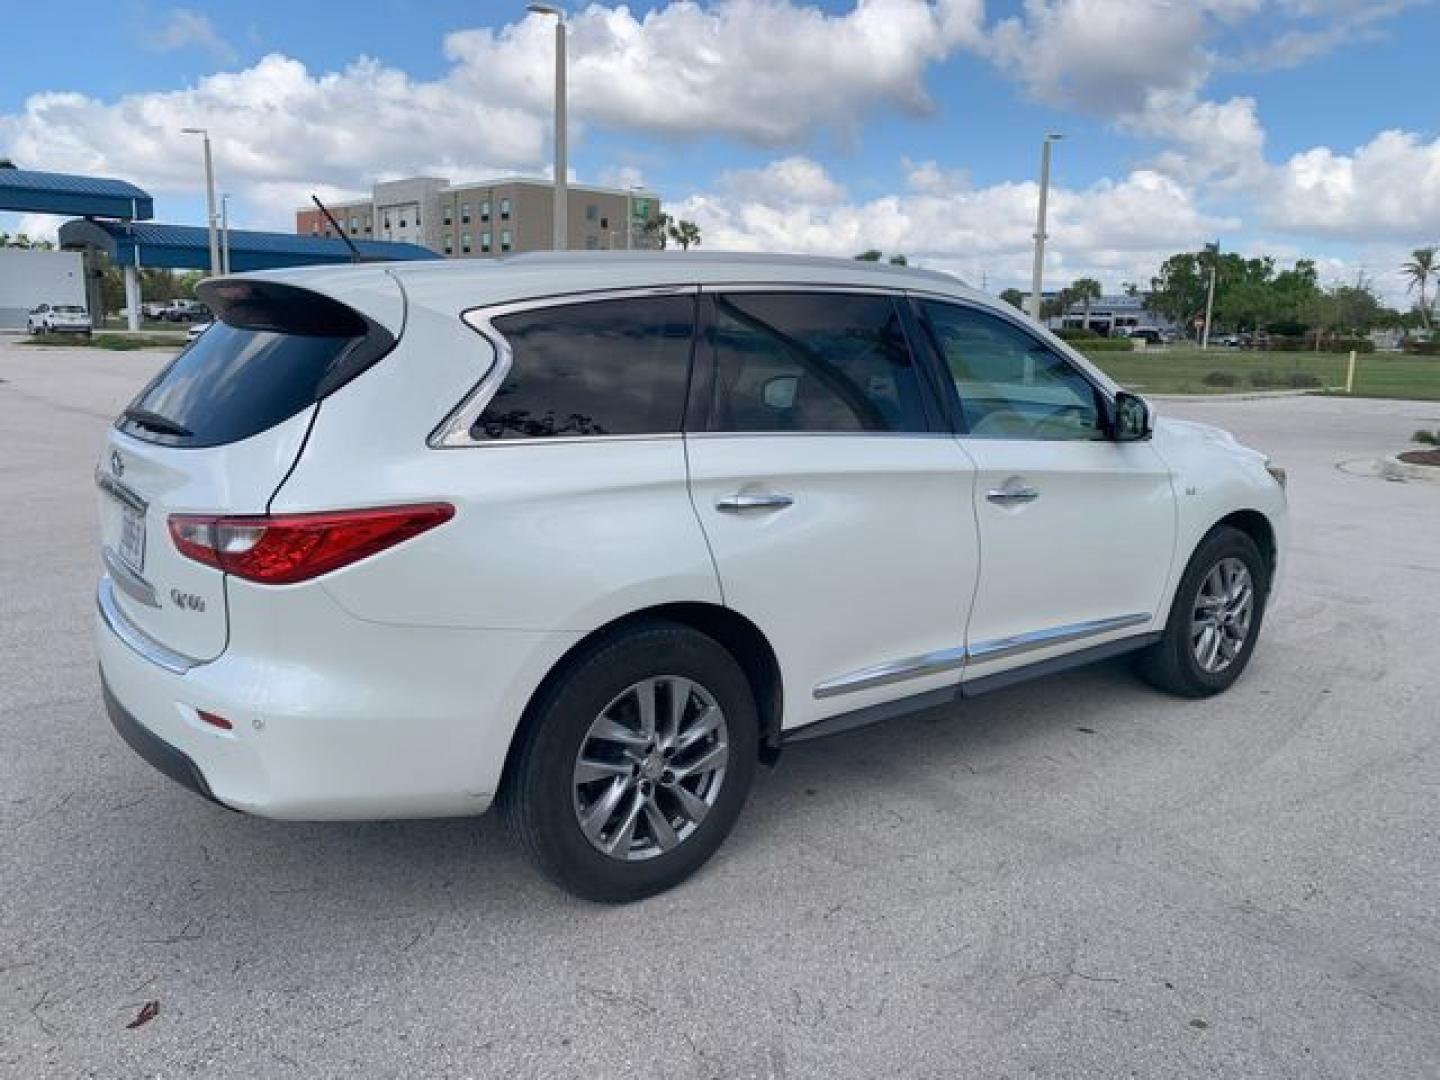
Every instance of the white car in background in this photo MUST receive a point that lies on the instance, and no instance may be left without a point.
(590, 536)
(195, 330)
(58, 319)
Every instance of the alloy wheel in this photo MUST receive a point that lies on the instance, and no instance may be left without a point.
(650, 767)
(1220, 623)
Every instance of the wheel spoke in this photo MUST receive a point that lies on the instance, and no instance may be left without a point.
(660, 827)
(608, 730)
(625, 834)
(645, 697)
(601, 810)
(705, 722)
(709, 761)
(679, 705)
(590, 769)
(691, 805)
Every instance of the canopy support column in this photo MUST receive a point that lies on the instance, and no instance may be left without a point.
(132, 297)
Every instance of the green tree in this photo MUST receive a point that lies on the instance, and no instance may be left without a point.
(1178, 291)
(1014, 297)
(685, 233)
(870, 255)
(1084, 291)
(1420, 269)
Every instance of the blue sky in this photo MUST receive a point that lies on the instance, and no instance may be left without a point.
(898, 124)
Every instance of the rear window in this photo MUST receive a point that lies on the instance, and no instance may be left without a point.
(603, 367)
(273, 351)
(231, 384)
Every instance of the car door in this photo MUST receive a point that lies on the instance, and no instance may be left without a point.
(1077, 531)
(837, 508)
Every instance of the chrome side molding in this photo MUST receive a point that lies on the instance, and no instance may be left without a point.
(911, 667)
(134, 637)
(999, 648)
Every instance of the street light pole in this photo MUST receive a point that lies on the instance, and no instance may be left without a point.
(1214, 250)
(562, 193)
(225, 233)
(1037, 272)
(209, 197)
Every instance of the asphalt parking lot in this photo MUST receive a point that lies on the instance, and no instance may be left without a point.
(1075, 878)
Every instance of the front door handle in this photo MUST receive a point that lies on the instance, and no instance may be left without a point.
(1013, 493)
(740, 503)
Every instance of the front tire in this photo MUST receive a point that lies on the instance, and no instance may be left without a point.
(1215, 618)
(635, 763)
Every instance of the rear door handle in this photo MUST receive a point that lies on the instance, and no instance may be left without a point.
(739, 504)
(1013, 493)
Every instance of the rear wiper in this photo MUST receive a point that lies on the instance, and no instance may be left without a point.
(155, 422)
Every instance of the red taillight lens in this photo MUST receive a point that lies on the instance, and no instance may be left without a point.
(286, 548)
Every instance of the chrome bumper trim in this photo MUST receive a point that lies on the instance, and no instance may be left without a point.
(134, 637)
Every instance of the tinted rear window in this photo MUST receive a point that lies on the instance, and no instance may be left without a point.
(604, 367)
(232, 384)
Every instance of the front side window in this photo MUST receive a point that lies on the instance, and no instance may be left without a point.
(1011, 385)
(815, 361)
(608, 367)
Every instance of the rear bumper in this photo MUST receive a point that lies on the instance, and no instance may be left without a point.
(160, 754)
(332, 718)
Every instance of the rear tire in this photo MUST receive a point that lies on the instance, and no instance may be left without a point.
(614, 799)
(1214, 620)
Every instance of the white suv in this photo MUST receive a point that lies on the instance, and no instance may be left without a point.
(58, 319)
(592, 535)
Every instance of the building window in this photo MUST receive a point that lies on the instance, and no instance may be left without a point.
(465, 213)
(485, 210)
(447, 216)
(465, 243)
(417, 217)
(504, 209)
(449, 244)
(354, 224)
(591, 212)
(485, 240)
(402, 223)
(604, 223)
(387, 221)
(504, 236)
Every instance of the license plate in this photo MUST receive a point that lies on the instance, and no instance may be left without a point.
(132, 537)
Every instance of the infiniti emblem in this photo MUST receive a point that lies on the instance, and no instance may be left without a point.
(117, 464)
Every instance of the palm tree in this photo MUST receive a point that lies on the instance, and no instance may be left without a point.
(1420, 270)
(685, 233)
(1085, 290)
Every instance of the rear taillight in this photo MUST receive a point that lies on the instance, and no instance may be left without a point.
(286, 548)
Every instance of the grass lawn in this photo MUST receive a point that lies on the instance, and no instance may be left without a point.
(113, 342)
(1175, 370)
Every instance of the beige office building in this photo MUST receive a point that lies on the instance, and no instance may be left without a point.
(471, 221)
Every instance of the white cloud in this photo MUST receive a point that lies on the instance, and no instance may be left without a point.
(791, 179)
(1388, 188)
(770, 72)
(1209, 140)
(1114, 230)
(1105, 56)
(184, 29)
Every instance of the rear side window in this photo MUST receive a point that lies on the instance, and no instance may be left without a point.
(603, 367)
(231, 384)
(813, 361)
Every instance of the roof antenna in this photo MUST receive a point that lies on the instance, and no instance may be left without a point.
(354, 251)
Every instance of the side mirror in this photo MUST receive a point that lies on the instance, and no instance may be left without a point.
(1132, 418)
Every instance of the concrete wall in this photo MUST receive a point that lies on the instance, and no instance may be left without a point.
(29, 278)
